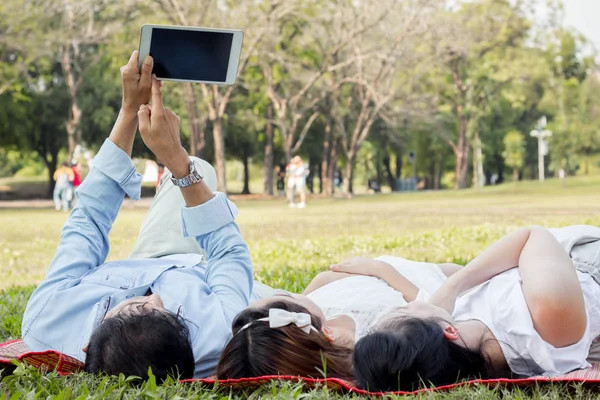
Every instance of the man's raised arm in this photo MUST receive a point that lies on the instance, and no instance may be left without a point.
(207, 217)
(84, 238)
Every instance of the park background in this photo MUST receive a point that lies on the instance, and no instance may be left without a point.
(444, 92)
(350, 85)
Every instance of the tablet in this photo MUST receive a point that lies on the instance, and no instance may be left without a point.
(190, 54)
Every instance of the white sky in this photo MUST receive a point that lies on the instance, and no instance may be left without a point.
(584, 15)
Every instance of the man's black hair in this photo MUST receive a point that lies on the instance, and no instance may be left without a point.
(130, 344)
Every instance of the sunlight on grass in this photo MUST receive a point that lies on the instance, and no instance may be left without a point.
(290, 246)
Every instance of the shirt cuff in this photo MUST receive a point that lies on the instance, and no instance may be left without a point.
(113, 162)
(208, 217)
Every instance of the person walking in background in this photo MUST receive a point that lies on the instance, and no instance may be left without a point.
(337, 178)
(296, 172)
(63, 178)
(76, 168)
(281, 180)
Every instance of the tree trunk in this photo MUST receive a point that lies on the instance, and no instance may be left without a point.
(515, 175)
(462, 154)
(49, 153)
(197, 142)
(268, 166)
(288, 154)
(462, 169)
(51, 170)
(332, 167)
(219, 140)
(378, 172)
(348, 173)
(388, 171)
(73, 126)
(72, 82)
(351, 179)
(313, 169)
(201, 143)
(461, 150)
(478, 176)
(320, 177)
(326, 169)
(398, 173)
(246, 189)
(437, 174)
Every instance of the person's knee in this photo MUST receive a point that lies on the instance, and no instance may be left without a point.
(208, 171)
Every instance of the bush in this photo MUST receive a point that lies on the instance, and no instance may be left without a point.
(35, 169)
(12, 162)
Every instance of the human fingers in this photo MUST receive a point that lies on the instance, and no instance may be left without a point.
(144, 119)
(171, 115)
(146, 79)
(157, 103)
(130, 71)
(133, 60)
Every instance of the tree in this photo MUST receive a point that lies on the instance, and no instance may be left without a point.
(313, 45)
(34, 120)
(587, 120)
(462, 40)
(77, 27)
(514, 152)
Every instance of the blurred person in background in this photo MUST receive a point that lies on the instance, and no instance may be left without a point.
(296, 172)
(63, 178)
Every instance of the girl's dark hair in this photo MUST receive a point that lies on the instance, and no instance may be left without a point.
(130, 344)
(259, 350)
(410, 353)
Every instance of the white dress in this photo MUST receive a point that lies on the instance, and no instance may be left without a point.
(365, 298)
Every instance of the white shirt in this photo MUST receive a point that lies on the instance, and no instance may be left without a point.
(366, 299)
(500, 304)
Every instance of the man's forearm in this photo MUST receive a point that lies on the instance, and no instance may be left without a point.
(123, 132)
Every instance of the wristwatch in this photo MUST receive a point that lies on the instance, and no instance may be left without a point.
(193, 177)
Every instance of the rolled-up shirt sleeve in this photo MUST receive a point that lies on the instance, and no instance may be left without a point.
(229, 271)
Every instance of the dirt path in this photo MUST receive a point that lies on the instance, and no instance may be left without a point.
(144, 202)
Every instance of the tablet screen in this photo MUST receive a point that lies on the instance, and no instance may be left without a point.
(191, 55)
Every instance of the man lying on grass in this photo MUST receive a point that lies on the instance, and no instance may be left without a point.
(171, 314)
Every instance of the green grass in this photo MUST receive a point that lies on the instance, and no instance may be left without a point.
(289, 247)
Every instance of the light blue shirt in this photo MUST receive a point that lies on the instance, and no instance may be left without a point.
(81, 287)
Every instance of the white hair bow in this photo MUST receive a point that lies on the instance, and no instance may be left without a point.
(279, 318)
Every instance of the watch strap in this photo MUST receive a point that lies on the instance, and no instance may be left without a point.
(192, 178)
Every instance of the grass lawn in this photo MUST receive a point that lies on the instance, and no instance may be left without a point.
(290, 246)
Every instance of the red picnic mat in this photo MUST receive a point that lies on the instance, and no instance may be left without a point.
(51, 360)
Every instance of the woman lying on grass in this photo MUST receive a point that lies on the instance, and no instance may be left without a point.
(521, 308)
(336, 309)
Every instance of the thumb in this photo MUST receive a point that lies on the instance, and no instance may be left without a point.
(144, 119)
